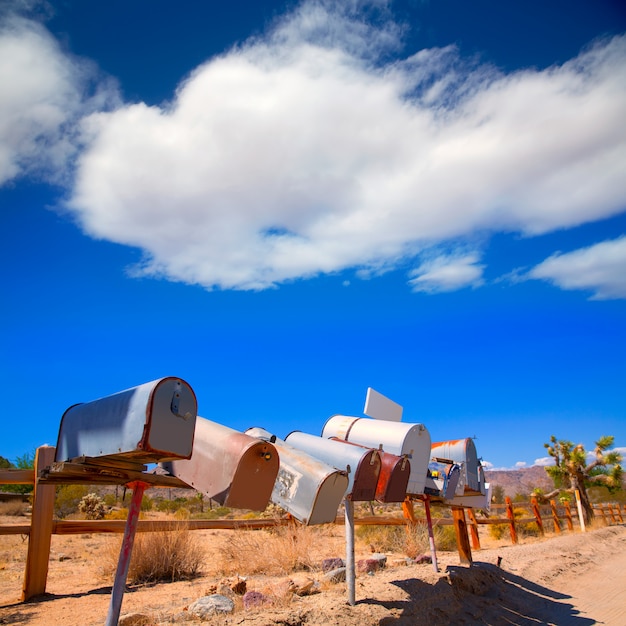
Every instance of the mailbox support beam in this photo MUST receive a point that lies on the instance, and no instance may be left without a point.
(350, 568)
(462, 539)
(117, 595)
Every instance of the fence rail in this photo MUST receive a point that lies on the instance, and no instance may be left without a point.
(43, 526)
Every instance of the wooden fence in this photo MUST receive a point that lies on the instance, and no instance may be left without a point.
(553, 516)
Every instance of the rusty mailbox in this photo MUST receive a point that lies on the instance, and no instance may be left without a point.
(363, 465)
(394, 475)
(399, 438)
(228, 466)
(144, 424)
(305, 487)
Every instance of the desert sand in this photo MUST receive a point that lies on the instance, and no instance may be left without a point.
(568, 579)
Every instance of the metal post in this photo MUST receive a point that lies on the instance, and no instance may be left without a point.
(350, 569)
(117, 595)
(431, 534)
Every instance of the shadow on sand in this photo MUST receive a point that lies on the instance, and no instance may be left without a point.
(481, 594)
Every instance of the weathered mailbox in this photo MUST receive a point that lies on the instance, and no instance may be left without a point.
(144, 424)
(229, 467)
(394, 475)
(305, 486)
(443, 479)
(472, 490)
(363, 465)
(399, 438)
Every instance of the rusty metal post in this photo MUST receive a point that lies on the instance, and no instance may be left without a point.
(537, 513)
(473, 529)
(511, 517)
(462, 539)
(568, 515)
(117, 595)
(38, 555)
(350, 566)
(555, 517)
(431, 534)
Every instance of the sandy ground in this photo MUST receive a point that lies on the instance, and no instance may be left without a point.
(569, 579)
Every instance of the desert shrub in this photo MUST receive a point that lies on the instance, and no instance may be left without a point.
(146, 503)
(109, 499)
(167, 555)
(67, 499)
(275, 551)
(13, 508)
(117, 514)
(529, 529)
(92, 506)
(383, 538)
(445, 538)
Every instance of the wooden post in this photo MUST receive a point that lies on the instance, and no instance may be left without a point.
(511, 517)
(568, 515)
(537, 513)
(619, 514)
(612, 513)
(601, 507)
(40, 537)
(555, 517)
(581, 517)
(462, 539)
(474, 529)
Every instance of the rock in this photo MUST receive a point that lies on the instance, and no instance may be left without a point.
(332, 563)
(255, 599)
(423, 558)
(304, 587)
(134, 619)
(381, 558)
(211, 605)
(337, 575)
(368, 566)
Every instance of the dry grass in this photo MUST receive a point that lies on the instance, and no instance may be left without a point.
(168, 555)
(281, 550)
(13, 508)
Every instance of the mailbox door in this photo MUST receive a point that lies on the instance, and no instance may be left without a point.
(228, 466)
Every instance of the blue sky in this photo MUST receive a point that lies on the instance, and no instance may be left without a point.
(286, 203)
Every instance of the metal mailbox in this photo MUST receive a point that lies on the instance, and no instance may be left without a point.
(463, 452)
(144, 424)
(363, 465)
(393, 478)
(228, 466)
(399, 438)
(305, 486)
(443, 479)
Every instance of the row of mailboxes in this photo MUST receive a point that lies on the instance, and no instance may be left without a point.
(357, 458)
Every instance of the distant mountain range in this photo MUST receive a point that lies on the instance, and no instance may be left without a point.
(520, 481)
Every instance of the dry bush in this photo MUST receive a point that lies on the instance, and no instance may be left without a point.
(281, 550)
(168, 555)
(15, 508)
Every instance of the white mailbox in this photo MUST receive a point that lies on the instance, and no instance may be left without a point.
(144, 424)
(305, 487)
(399, 438)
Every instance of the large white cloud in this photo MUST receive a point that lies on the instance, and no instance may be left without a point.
(43, 92)
(303, 153)
(600, 268)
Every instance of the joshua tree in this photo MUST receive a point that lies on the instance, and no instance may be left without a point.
(572, 471)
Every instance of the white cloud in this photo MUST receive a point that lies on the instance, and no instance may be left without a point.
(304, 153)
(520, 464)
(42, 93)
(544, 461)
(447, 273)
(600, 268)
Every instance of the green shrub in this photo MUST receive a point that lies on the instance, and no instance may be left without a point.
(67, 499)
(92, 506)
